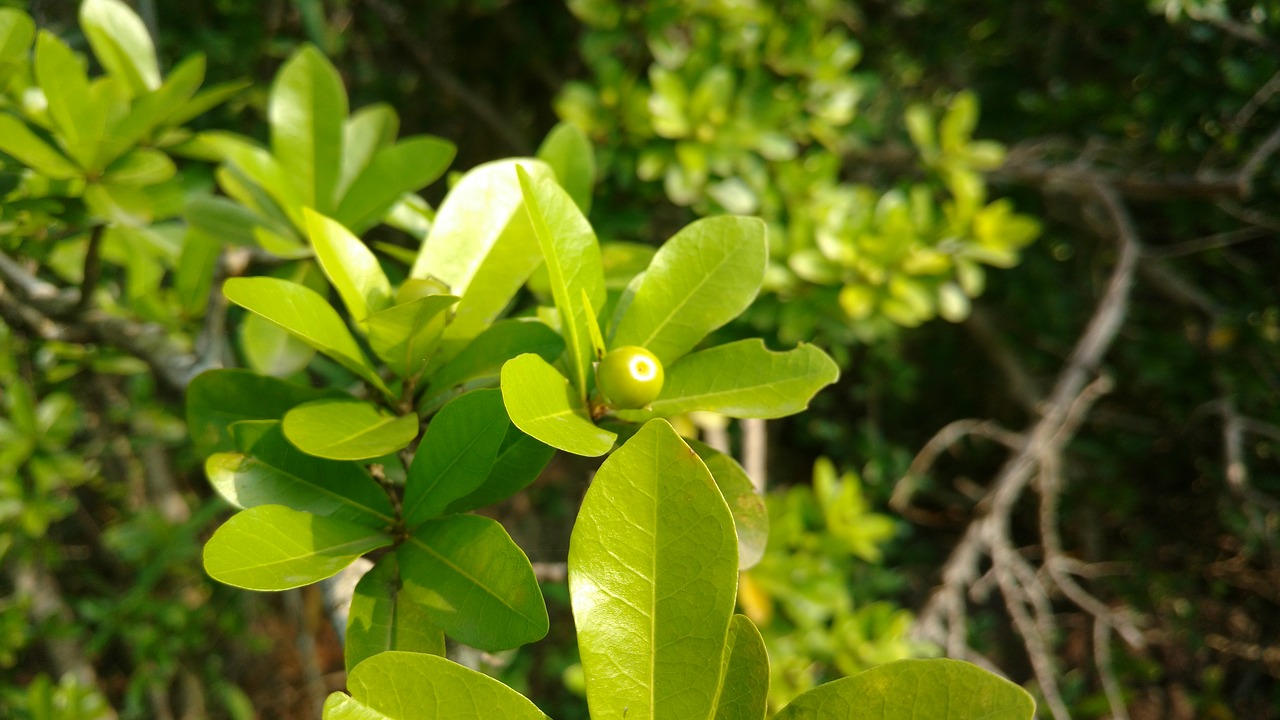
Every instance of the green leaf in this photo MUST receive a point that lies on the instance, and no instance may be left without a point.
(542, 403)
(205, 100)
(66, 89)
(405, 336)
(270, 471)
(349, 265)
(367, 131)
(218, 398)
(17, 30)
(348, 429)
(414, 686)
(653, 572)
(750, 516)
(520, 460)
(475, 583)
(271, 547)
(743, 379)
(303, 312)
(744, 689)
(272, 350)
(16, 139)
(307, 110)
(569, 153)
(572, 255)
(218, 217)
(407, 166)
(142, 166)
(121, 43)
(481, 244)
(456, 454)
(951, 689)
(702, 278)
(482, 359)
(383, 616)
(194, 276)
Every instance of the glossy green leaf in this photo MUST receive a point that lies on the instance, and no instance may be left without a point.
(121, 43)
(456, 454)
(744, 689)
(367, 131)
(227, 221)
(482, 359)
(937, 689)
(66, 89)
(270, 471)
(542, 403)
(481, 244)
(407, 166)
(405, 336)
(384, 616)
(16, 139)
(271, 547)
(348, 429)
(750, 516)
(572, 256)
(700, 279)
(303, 312)
(205, 100)
(519, 461)
(474, 582)
(307, 110)
(569, 153)
(349, 265)
(254, 164)
(218, 398)
(272, 350)
(743, 379)
(415, 686)
(653, 572)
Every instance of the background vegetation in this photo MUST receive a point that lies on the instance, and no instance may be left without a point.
(1039, 238)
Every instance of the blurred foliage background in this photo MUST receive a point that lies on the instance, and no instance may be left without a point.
(955, 191)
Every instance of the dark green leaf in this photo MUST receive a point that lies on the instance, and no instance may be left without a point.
(218, 398)
(456, 454)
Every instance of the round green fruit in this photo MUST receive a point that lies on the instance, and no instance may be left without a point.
(629, 377)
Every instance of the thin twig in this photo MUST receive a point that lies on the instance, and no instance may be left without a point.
(1107, 674)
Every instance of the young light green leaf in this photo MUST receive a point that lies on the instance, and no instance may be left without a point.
(957, 690)
(750, 516)
(456, 454)
(218, 398)
(744, 689)
(307, 110)
(702, 278)
(653, 572)
(520, 460)
(16, 139)
(542, 403)
(415, 686)
(66, 89)
(572, 255)
(367, 131)
(481, 360)
(384, 617)
(349, 265)
(17, 30)
(121, 43)
(205, 100)
(259, 167)
(743, 379)
(270, 471)
(348, 429)
(272, 350)
(474, 582)
(408, 166)
(406, 336)
(303, 312)
(271, 547)
(481, 244)
(142, 166)
(569, 153)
